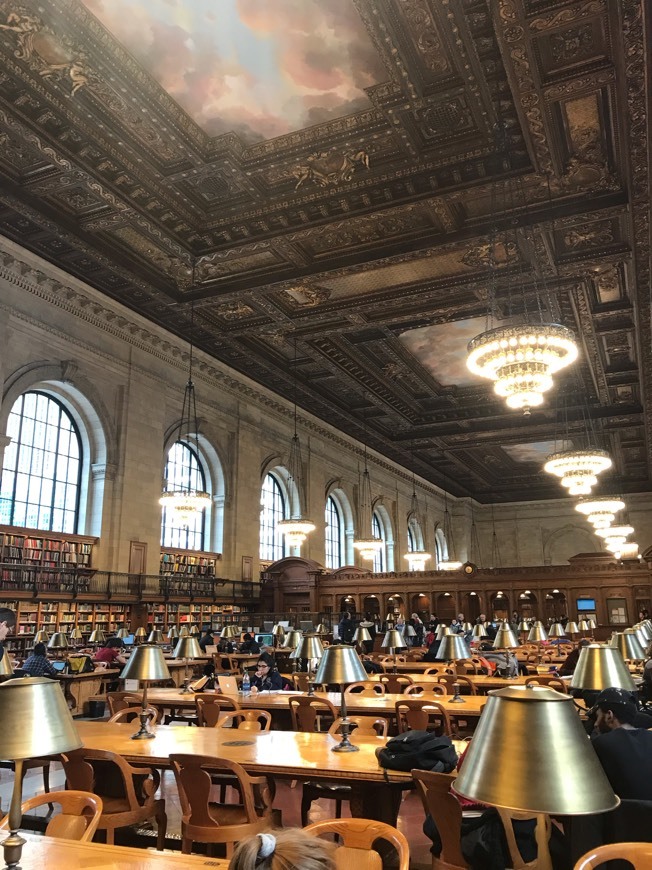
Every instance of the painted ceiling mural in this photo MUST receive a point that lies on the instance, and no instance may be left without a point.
(256, 68)
(441, 349)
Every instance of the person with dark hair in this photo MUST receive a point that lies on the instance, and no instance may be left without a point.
(206, 639)
(568, 667)
(266, 678)
(288, 849)
(249, 645)
(38, 664)
(624, 751)
(7, 626)
(110, 653)
(346, 627)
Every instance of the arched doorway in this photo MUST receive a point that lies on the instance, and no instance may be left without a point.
(556, 605)
(500, 606)
(371, 606)
(527, 606)
(396, 605)
(446, 607)
(348, 604)
(421, 605)
(471, 607)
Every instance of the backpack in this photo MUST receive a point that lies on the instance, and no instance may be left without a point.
(420, 750)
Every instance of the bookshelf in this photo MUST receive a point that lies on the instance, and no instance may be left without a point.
(162, 616)
(183, 563)
(53, 562)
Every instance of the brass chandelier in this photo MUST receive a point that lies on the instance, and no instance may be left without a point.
(578, 469)
(600, 512)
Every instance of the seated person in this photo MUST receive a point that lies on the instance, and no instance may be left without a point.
(624, 751)
(289, 849)
(431, 654)
(225, 646)
(266, 678)
(249, 645)
(38, 664)
(207, 639)
(372, 667)
(568, 667)
(111, 653)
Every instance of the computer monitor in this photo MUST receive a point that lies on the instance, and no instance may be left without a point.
(586, 605)
(264, 639)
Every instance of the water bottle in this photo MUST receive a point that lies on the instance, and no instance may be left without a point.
(246, 683)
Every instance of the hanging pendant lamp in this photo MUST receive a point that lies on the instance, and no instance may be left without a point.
(578, 469)
(368, 547)
(181, 494)
(297, 528)
(417, 558)
(600, 512)
(451, 563)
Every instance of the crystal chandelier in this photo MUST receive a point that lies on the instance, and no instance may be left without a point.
(615, 536)
(578, 469)
(451, 563)
(521, 360)
(416, 558)
(297, 528)
(600, 512)
(180, 495)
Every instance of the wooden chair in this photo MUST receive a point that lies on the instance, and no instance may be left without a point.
(428, 688)
(129, 714)
(639, 856)
(553, 682)
(212, 709)
(127, 793)
(119, 700)
(366, 689)
(307, 712)
(248, 720)
(358, 837)
(438, 669)
(542, 833)
(395, 684)
(365, 726)
(435, 793)
(466, 666)
(417, 715)
(300, 682)
(79, 817)
(206, 821)
(448, 680)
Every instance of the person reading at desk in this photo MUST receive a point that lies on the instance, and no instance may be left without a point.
(266, 678)
(249, 645)
(38, 664)
(111, 653)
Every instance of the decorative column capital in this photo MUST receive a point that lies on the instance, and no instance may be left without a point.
(104, 471)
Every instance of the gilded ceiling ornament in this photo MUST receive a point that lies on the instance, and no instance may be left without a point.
(591, 235)
(481, 255)
(308, 295)
(330, 167)
(236, 311)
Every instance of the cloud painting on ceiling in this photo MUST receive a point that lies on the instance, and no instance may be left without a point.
(257, 68)
(441, 349)
(536, 451)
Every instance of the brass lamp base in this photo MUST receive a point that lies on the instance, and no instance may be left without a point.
(457, 698)
(143, 733)
(345, 744)
(185, 689)
(12, 848)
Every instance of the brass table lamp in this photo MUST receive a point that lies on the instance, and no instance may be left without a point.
(194, 630)
(479, 631)
(187, 648)
(360, 635)
(229, 632)
(518, 727)
(146, 665)
(173, 632)
(278, 633)
(409, 632)
(441, 631)
(122, 633)
(34, 721)
(155, 636)
(183, 631)
(392, 641)
(321, 629)
(572, 628)
(600, 667)
(6, 668)
(58, 642)
(556, 630)
(311, 649)
(452, 648)
(538, 633)
(76, 636)
(466, 627)
(628, 644)
(140, 634)
(506, 639)
(41, 636)
(97, 636)
(340, 664)
(293, 640)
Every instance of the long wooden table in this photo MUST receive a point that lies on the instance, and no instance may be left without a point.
(80, 688)
(285, 754)
(39, 852)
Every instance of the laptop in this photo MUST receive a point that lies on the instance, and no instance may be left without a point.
(59, 667)
(228, 685)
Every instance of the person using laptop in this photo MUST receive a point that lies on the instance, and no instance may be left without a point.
(249, 645)
(266, 678)
(207, 639)
(38, 664)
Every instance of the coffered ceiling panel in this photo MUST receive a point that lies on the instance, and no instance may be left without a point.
(346, 177)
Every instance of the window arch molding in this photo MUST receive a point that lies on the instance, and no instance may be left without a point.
(342, 501)
(63, 382)
(213, 467)
(441, 545)
(379, 510)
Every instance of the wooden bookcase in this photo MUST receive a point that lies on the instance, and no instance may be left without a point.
(55, 562)
(188, 563)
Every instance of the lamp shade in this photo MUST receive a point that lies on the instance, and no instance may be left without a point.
(41, 636)
(35, 719)
(517, 729)
(228, 632)
(628, 644)
(293, 638)
(183, 631)
(146, 663)
(194, 630)
(278, 630)
(409, 631)
(572, 628)
(600, 667)
(361, 634)
(441, 631)
(537, 633)
(321, 629)
(76, 634)
(6, 668)
(58, 641)
(506, 638)
(140, 632)
(310, 647)
(556, 630)
(466, 626)
(122, 633)
(155, 636)
(584, 625)
(479, 631)
(97, 636)
(340, 664)
(173, 632)
(523, 625)
(393, 640)
(452, 648)
(188, 648)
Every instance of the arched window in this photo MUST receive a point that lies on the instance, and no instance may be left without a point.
(378, 531)
(41, 473)
(441, 547)
(410, 540)
(273, 508)
(183, 466)
(334, 536)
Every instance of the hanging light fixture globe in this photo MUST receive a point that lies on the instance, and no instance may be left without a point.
(615, 536)
(368, 547)
(417, 559)
(186, 504)
(522, 359)
(295, 531)
(578, 469)
(600, 512)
